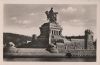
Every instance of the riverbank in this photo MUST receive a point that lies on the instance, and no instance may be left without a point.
(49, 59)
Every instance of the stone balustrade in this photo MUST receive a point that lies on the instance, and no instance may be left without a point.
(82, 53)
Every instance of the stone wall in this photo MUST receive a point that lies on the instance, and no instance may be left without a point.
(30, 52)
(76, 44)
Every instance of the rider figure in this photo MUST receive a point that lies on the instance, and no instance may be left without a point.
(51, 15)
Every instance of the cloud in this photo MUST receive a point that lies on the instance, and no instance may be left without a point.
(69, 10)
(74, 22)
(83, 10)
(32, 14)
(77, 22)
(13, 18)
(24, 22)
(72, 10)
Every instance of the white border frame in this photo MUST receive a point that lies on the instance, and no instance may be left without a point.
(2, 2)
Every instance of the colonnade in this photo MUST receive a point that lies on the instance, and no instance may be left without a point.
(54, 32)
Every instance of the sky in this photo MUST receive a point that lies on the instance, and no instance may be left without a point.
(27, 18)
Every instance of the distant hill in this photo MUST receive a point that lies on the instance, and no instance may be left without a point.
(17, 39)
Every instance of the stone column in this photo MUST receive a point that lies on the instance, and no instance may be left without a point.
(59, 32)
(52, 32)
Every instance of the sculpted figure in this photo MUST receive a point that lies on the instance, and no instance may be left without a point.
(51, 15)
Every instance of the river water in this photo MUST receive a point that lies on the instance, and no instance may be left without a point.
(52, 59)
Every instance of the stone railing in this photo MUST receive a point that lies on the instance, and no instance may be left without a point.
(82, 53)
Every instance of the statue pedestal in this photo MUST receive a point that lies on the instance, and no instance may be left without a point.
(53, 50)
(10, 48)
